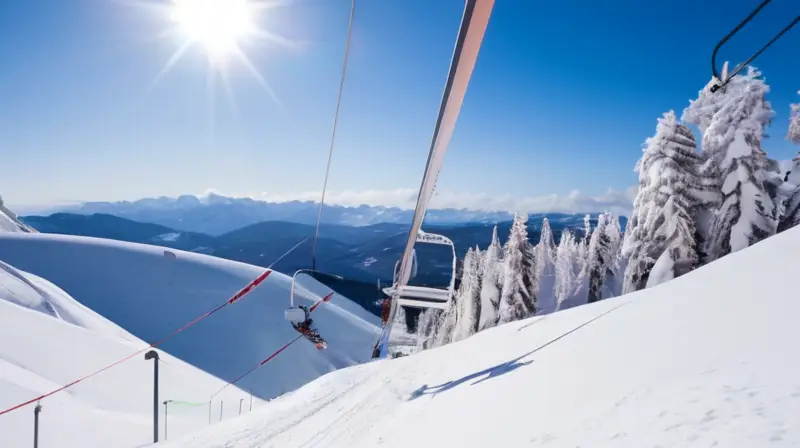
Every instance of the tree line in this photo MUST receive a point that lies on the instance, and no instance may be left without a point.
(693, 206)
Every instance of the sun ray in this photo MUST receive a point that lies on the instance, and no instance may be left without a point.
(226, 84)
(254, 71)
(176, 56)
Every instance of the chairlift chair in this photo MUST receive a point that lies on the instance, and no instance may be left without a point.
(425, 296)
(294, 313)
(718, 81)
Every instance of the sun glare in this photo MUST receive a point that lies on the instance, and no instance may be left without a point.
(217, 25)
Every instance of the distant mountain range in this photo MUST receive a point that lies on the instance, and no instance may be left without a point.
(217, 215)
(365, 254)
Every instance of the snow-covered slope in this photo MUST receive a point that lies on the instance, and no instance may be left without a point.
(9, 221)
(708, 359)
(151, 291)
(48, 339)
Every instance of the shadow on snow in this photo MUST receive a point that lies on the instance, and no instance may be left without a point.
(491, 372)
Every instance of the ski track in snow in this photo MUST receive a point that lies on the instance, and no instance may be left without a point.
(704, 360)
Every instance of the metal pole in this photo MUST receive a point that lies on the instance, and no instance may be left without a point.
(240, 405)
(152, 354)
(209, 412)
(36, 412)
(166, 413)
(220, 410)
(251, 402)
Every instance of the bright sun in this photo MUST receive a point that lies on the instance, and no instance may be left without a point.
(217, 25)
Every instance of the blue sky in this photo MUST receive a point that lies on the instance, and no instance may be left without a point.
(562, 97)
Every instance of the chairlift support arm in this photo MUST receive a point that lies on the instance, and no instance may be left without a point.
(744, 64)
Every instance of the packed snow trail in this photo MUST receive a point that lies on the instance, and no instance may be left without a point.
(150, 294)
(703, 360)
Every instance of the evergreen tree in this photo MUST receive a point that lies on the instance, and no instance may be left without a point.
(518, 299)
(565, 268)
(492, 283)
(600, 258)
(663, 223)
(467, 308)
(612, 285)
(732, 144)
(545, 253)
(794, 123)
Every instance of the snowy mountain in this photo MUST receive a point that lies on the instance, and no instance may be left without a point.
(214, 214)
(48, 339)
(689, 363)
(9, 221)
(693, 362)
(150, 291)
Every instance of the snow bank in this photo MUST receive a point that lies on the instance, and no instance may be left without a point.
(703, 360)
(48, 339)
(9, 221)
(150, 291)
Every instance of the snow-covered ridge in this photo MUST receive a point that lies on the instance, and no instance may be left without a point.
(38, 294)
(9, 221)
(702, 360)
(150, 292)
(48, 339)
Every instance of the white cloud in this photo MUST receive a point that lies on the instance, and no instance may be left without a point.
(617, 201)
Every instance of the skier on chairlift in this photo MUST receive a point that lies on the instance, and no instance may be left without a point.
(304, 327)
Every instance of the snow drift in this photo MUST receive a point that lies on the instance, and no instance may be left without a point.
(704, 360)
(151, 291)
(48, 339)
(9, 221)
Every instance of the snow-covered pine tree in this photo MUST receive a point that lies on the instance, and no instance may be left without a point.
(587, 230)
(612, 284)
(580, 295)
(662, 229)
(600, 258)
(466, 323)
(565, 268)
(492, 283)
(479, 254)
(732, 144)
(794, 123)
(518, 299)
(545, 253)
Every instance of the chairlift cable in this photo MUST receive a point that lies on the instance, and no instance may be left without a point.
(333, 135)
(740, 67)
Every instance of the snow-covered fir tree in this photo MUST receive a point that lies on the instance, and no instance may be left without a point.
(612, 285)
(468, 303)
(791, 211)
(565, 273)
(518, 299)
(580, 295)
(732, 145)
(662, 230)
(601, 256)
(491, 284)
(794, 123)
(545, 253)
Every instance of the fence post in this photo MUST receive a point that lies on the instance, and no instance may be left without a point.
(166, 414)
(240, 405)
(220, 410)
(209, 412)
(152, 354)
(251, 402)
(36, 412)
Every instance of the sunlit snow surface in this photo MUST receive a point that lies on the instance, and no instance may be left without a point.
(48, 339)
(704, 360)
